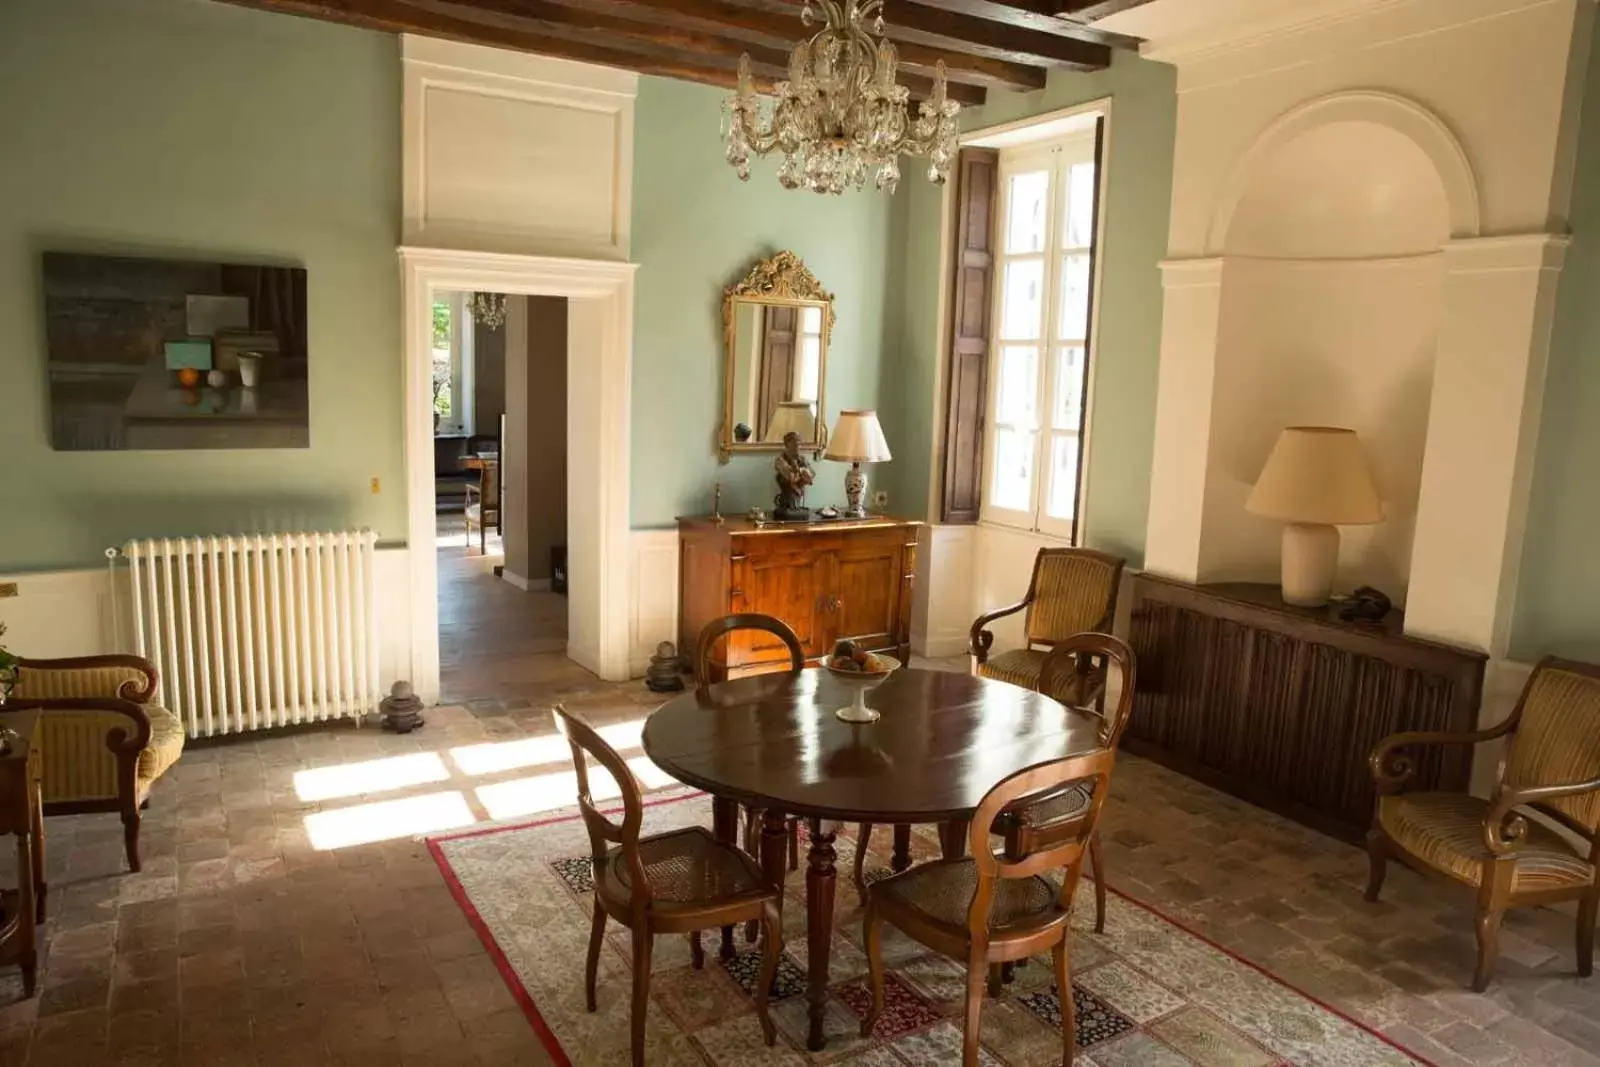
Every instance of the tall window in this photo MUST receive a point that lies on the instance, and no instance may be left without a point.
(1038, 377)
(452, 366)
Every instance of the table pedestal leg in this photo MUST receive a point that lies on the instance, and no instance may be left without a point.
(819, 925)
(902, 848)
(725, 825)
(953, 838)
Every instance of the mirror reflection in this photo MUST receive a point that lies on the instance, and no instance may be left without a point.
(777, 322)
(777, 371)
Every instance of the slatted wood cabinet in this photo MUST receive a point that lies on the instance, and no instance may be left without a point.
(829, 581)
(1282, 705)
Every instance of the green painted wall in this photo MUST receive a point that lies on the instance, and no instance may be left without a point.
(195, 129)
(1144, 119)
(1558, 595)
(696, 229)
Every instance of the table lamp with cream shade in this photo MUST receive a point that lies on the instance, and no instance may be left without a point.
(1315, 480)
(792, 416)
(857, 438)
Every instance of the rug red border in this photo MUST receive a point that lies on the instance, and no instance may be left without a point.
(558, 1054)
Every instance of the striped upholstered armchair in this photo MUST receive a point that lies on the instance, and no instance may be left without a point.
(104, 742)
(1072, 591)
(1550, 769)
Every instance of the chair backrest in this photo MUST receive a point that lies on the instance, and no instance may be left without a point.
(1055, 845)
(489, 484)
(1070, 656)
(603, 832)
(1072, 590)
(1556, 737)
(717, 628)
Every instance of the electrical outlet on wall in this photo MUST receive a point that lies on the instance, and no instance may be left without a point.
(880, 499)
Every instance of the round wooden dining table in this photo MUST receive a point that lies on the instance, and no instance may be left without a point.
(772, 742)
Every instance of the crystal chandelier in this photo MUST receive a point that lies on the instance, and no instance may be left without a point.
(488, 309)
(840, 113)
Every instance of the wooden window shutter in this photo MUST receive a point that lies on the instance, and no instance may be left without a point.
(966, 370)
(1088, 327)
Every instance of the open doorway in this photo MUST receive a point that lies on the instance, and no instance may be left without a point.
(499, 409)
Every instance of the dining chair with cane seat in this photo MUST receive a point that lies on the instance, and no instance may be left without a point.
(483, 504)
(716, 630)
(681, 881)
(988, 909)
(1550, 770)
(1075, 799)
(1071, 591)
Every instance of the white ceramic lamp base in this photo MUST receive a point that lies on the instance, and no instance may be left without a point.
(1310, 560)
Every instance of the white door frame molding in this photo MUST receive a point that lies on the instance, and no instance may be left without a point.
(599, 367)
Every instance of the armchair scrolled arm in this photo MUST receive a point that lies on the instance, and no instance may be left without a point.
(132, 740)
(1504, 828)
(981, 640)
(1392, 768)
(131, 689)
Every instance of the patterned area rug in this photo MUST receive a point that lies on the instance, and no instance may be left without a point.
(1148, 992)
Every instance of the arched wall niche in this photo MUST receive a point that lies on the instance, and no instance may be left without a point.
(1330, 234)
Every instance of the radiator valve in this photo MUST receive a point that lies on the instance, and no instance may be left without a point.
(401, 709)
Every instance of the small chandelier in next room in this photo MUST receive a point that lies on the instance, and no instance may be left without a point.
(488, 310)
(840, 113)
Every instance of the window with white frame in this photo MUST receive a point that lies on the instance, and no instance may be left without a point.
(452, 364)
(1038, 365)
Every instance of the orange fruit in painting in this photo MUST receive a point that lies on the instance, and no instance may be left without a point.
(190, 397)
(188, 377)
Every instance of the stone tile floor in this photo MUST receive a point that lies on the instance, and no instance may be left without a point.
(288, 914)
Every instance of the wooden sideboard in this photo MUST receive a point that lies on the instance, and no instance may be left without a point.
(21, 815)
(828, 580)
(1281, 705)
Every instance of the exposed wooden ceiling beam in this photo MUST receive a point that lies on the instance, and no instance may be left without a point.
(689, 24)
(1040, 16)
(1053, 43)
(1090, 10)
(394, 17)
(566, 42)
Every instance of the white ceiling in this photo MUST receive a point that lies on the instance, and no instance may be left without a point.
(1187, 25)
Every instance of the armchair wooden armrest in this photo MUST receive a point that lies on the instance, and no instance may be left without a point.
(1504, 829)
(1391, 768)
(130, 689)
(134, 741)
(981, 640)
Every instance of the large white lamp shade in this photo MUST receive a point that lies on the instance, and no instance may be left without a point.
(1315, 480)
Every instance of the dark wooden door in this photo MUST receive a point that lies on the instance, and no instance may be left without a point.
(784, 578)
(865, 603)
(781, 326)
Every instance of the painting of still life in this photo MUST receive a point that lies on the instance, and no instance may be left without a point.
(149, 353)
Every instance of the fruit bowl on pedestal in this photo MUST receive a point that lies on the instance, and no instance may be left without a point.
(861, 671)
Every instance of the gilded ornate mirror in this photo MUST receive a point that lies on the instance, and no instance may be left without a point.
(776, 324)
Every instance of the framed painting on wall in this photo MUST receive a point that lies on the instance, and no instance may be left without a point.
(147, 353)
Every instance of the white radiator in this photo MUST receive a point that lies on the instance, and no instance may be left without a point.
(252, 632)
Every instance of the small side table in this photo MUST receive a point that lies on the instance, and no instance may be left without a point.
(22, 816)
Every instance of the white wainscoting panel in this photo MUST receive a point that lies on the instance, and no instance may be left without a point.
(57, 614)
(507, 152)
(655, 596)
(943, 611)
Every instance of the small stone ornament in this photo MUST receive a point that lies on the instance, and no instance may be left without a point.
(665, 673)
(401, 709)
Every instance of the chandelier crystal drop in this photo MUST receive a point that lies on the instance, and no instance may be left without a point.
(488, 309)
(840, 113)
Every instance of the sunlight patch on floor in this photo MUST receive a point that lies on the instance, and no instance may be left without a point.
(495, 756)
(371, 776)
(559, 789)
(386, 820)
